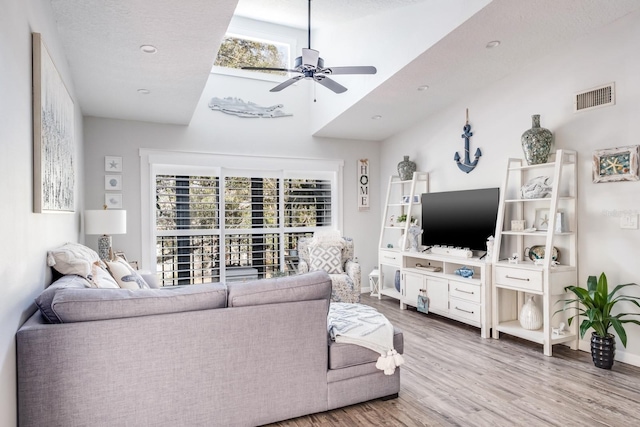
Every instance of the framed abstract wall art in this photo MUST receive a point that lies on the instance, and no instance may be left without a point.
(53, 135)
(616, 164)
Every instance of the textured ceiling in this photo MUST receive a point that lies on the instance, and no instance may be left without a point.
(293, 13)
(101, 39)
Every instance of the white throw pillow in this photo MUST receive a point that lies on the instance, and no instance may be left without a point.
(327, 238)
(126, 276)
(100, 278)
(327, 258)
(73, 258)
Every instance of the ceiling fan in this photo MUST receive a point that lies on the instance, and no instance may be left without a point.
(311, 66)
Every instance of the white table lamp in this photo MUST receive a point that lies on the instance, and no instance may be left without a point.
(105, 222)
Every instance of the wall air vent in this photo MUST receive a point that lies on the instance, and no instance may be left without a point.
(596, 97)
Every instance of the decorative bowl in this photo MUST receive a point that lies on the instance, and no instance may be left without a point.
(537, 252)
(464, 272)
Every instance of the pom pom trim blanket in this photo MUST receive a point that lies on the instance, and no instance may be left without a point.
(364, 326)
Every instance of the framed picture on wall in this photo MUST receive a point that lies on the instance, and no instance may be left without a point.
(615, 164)
(112, 164)
(113, 200)
(53, 135)
(113, 182)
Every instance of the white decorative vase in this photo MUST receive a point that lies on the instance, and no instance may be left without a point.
(530, 316)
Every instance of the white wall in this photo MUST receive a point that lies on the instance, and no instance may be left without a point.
(401, 35)
(25, 236)
(216, 132)
(501, 113)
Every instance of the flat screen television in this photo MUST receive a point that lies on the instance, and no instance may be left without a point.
(463, 218)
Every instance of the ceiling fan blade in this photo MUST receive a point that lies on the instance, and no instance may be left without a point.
(310, 57)
(286, 83)
(270, 69)
(350, 70)
(329, 84)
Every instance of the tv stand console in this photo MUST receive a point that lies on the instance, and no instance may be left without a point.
(451, 251)
(467, 300)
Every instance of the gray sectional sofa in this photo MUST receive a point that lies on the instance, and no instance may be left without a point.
(243, 354)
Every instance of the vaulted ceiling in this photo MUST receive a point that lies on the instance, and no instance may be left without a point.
(102, 40)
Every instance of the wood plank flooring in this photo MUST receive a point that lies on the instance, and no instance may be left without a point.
(452, 377)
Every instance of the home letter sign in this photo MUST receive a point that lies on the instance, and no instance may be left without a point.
(363, 184)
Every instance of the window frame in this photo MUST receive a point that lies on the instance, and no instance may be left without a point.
(158, 162)
(239, 30)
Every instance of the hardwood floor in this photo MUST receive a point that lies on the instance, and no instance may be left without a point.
(452, 377)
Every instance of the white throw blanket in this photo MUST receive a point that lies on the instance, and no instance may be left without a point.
(364, 326)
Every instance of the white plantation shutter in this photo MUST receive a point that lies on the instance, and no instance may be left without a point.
(234, 223)
(308, 202)
(187, 218)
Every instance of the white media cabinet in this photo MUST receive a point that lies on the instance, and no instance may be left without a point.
(467, 300)
(555, 225)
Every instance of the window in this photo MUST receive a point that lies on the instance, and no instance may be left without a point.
(238, 51)
(221, 224)
(187, 229)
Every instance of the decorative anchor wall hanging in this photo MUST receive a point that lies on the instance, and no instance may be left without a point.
(468, 165)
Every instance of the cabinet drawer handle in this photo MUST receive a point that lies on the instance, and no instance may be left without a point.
(466, 311)
(516, 278)
(465, 292)
(390, 257)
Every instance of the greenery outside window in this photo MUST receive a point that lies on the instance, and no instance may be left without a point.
(235, 224)
(238, 50)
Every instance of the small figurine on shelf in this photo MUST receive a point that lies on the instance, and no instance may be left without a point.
(514, 259)
(560, 330)
(537, 188)
(489, 254)
(391, 220)
(414, 232)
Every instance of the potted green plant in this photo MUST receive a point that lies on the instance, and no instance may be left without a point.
(403, 218)
(595, 304)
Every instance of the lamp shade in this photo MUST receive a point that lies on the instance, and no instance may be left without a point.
(105, 221)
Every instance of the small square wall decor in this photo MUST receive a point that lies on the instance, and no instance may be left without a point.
(113, 200)
(113, 182)
(112, 164)
(615, 164)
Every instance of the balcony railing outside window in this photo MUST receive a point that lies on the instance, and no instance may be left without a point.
(259, 232)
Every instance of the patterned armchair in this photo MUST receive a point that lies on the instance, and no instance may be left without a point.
(338, 262)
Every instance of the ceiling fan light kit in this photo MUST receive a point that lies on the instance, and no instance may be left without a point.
(310, 66)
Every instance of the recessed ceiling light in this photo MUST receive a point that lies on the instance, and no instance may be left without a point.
(492, 44)
(147, 48)
(376, 117)
(423, 87)
(144, 91)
